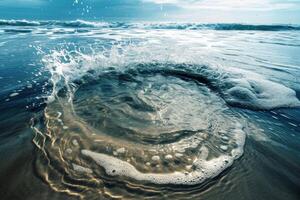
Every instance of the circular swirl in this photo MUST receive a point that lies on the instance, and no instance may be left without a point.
(122, 134)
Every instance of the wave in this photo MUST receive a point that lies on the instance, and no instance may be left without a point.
(172, 118)
(226, 27)
(177, 26)
(240, 88)
(157, 116)
(19, 23)
(74, 24)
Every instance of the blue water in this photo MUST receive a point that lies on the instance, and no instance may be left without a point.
(149, 110)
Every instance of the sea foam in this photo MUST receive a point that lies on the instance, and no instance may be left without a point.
(203, 168)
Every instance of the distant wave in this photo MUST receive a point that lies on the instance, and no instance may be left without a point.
(74, 24)
(18, 23)
(177, 26)
(225, 27)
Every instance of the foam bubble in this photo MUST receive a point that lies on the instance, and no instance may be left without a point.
(224, 147)
(116, 167)
(259, 93)
(178, 155)
(75, 142)
(121, 150)
(14, 94)
(81, 169)
(203, 168)
(155, 158)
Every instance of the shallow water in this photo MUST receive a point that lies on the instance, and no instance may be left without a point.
(145, 110)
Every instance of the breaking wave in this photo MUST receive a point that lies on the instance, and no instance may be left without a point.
(178, 26)
(237, 87)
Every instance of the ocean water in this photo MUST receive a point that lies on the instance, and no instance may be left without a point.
(107, 110)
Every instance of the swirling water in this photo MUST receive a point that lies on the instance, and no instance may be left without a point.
(99, 110)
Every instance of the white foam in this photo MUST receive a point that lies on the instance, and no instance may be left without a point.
(224, 147)
(259, 93)
(14, 94)
(155, 158)
(178, 155)
(75, 142)
(204, 169)
(81, 169)
(168, 157)
(116, 167)
(121, 150)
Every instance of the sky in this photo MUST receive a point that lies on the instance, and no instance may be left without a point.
(205, 11)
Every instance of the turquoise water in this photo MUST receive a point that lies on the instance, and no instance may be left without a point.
(98, 110)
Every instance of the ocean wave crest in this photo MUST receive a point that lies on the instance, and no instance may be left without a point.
(237, 87)
(18, 23)
(176, 26)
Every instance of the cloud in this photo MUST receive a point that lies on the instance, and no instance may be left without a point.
(256, 5)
